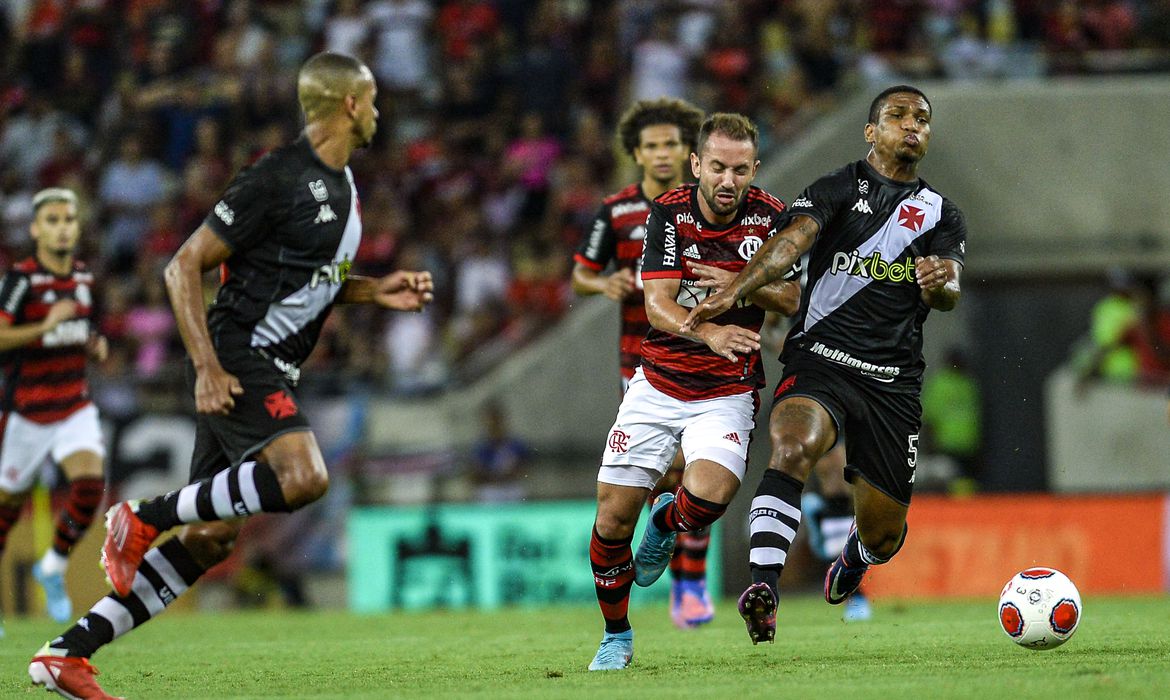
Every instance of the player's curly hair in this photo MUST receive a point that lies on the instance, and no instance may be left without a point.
(664, 110)
(734, 126)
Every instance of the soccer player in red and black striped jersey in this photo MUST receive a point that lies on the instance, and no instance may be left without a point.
(46, 338)
(696, 389)
(659, 135)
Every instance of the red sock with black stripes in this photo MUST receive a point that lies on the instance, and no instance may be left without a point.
(613, 575)
(690, 553)
(85, 495)
(688, 513)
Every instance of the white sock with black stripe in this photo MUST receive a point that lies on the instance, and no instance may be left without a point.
(166, 572)
(774, 518)
(246, 489)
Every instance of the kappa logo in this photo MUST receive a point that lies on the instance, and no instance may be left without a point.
(319, 190)
(280, 405)
(733, 437)
(325, 215)
(225, 213)
(692, 251)
(862, 206)
(619, 441)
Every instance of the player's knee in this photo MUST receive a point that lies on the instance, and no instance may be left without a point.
(303, 486)
(209, 543)
(614, 525)
(793, 457)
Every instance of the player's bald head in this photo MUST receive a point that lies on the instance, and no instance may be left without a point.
(326, 79)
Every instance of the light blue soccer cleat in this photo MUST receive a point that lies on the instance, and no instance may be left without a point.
(56, 599)
(857, 608)
(653, 555)
(615, 653)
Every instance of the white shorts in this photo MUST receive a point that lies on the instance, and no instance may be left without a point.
(25, 445)
(649, 426)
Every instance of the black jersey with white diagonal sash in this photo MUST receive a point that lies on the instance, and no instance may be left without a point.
(861, 308)
(293, 224)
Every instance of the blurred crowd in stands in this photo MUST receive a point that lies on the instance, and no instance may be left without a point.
(495, 145)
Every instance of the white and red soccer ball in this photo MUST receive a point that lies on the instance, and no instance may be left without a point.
(1039, 608)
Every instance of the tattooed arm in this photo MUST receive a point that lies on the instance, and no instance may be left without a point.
(770, 263)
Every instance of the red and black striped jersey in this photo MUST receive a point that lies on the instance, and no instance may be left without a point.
(616, 235)
(677, 232)
(44, 381)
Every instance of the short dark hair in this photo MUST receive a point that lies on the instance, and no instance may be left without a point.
(734, 126)
(875, 107)
(665, 110)
(324, 81)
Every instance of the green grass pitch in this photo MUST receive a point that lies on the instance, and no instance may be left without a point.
(910, 651)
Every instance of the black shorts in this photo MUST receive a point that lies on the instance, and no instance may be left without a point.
(880, 426)
(267, 409)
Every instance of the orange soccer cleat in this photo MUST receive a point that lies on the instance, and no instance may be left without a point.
(68, 676)
(127, 539)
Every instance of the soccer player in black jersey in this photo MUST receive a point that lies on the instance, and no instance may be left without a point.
(659, 135)
(884, 249)
(285, 233)
(695, 389)
(46, 338)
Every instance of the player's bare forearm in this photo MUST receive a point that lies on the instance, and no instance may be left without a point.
(616, 286)
(782, 297)
(943, 299)
(668, 316)
(587, 282)
(357, 289)
(183, 276)
(776, 257)
(12, 337)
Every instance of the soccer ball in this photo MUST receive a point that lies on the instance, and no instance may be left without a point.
(1039, 608)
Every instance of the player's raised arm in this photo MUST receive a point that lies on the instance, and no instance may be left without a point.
(203, 251)
(774, 259)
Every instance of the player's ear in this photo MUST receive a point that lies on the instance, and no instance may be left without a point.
(694, 164)
(870, 136)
